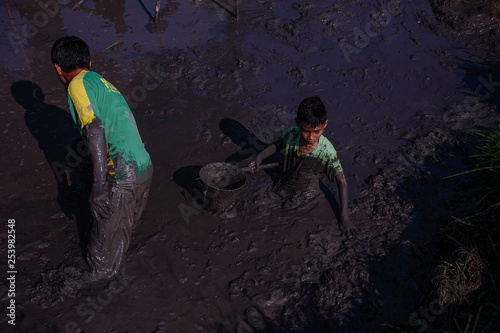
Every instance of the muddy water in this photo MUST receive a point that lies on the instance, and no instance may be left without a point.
(208, 87)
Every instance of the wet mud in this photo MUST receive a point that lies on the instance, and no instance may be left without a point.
(400, 80)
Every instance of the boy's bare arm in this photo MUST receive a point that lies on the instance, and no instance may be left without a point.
(268, 151)
(99, 197)
(344, 203)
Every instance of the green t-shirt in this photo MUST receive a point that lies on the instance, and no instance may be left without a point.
(322, 160)
(91, 96)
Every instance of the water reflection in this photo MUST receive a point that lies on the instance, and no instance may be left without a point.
(111, 12)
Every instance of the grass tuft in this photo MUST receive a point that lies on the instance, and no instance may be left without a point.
(467, 282)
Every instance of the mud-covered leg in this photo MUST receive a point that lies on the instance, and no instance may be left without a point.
(142, 195)
(110, 238)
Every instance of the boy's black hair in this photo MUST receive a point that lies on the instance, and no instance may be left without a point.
(70, 53)
(312, 111)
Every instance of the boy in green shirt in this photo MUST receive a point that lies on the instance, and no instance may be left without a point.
(308, 155)
(122, 168)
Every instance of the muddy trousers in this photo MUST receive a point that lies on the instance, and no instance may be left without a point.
(110, 238)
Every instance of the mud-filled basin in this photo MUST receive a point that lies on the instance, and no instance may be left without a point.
(222, 182)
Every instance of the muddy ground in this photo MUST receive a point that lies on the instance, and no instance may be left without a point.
(208, 83)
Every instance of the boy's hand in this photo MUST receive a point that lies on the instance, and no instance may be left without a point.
(270, 150)
(346, 224)
(99, 200)
(345, 221)
(251, 167)
(257, 162)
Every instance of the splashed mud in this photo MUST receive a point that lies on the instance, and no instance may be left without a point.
(206, 86)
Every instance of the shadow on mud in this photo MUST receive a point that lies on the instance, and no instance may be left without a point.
(186, 177)
(248, 143)
(249, 146)
(65, 152)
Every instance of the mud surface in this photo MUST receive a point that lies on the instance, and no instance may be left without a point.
(400, 80)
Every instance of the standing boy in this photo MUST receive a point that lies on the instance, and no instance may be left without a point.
(308, 155)
(122, 168)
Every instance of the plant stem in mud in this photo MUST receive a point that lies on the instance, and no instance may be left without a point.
(235, 14)
(78, 4)
(157, 10)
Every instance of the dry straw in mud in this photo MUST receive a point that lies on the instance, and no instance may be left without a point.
(469, 280)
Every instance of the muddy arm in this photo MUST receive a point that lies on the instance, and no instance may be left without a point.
(99, 197)
(270, 150)
(344, 202)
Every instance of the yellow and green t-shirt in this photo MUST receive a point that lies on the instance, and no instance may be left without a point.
(91, 96)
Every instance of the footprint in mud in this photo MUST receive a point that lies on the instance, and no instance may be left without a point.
(32, 250)
(242, 285)
(160, 327)
(55, 284)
